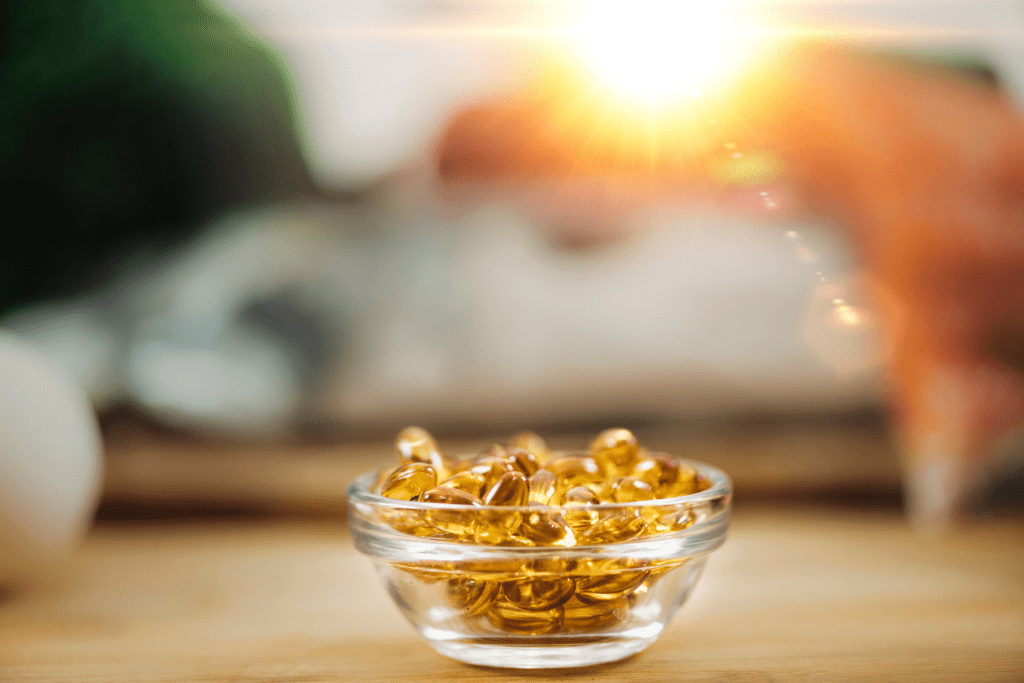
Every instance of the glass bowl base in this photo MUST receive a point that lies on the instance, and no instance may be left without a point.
(542, 653)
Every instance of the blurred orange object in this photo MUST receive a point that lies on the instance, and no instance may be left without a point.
(924, 168)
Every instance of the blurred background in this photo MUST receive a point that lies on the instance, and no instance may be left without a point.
(250, 240)
(228, 226)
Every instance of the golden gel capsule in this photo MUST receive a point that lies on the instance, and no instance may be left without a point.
(631, 490)
(457, 521)
(412, 522)
(574, 470)
(545, 526)
(525, 461)
(538, 595)
(664, 519)
(472, 596)
(491, 468)
(470, 482)
(605, 588)
(531, 442)
(686, 483)
(511, 489)
(578, 514)
(659, 470)
(615, 526)
(415, 444)
(510, 617)
(557, 567)
(543, 487)
(616, 450)
(497, 527)
(579, 616)
(410, 481)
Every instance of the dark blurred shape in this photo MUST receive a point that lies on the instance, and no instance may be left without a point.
(128, 124)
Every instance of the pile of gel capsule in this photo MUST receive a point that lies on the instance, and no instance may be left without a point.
(524, 473)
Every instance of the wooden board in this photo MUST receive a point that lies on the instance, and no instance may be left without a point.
(310, 479)
(810, 594)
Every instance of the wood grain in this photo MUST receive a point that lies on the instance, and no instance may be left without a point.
(798, 595)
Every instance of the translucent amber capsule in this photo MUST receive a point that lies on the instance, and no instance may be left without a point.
(580, 616)
(460, 522)
(415, 444)
(492, 468)
(531, 442)
(659, 470)
(615, 526)
(470, 482)
(472, 596)
(606, 588)
(559, 567)
(511, 489)
(663, 519)
(578, 514)
(412, 522)
(538, 595)
(410, 481)
(497, 527)
(543, 487)
(616, 451)
(686, 483)
(545, 526)
(573, 470)
(525, 461)
(631, 490)
(512, 618)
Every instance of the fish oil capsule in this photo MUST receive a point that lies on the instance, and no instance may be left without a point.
(631, 490)
(472, 596)
(664, 519)
(546, 526)
(557, 567)
(497, 527)
(615, 526)
(512, 618)
(460, 522)
(543, 487)
(574, 470)
(611, 587)
(511, 489)
(580, 616)
(415, 444)
(525, 461)
(410, 481)
(412, 522)
(616, 450)
(578, 514)
(686, 483)
(470, 482)
(659, 470)
(531, 442)
(491, 468)
(538, 595)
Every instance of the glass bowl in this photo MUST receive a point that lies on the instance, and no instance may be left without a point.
(540, 606)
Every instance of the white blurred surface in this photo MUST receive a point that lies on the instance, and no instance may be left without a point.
(49, 462)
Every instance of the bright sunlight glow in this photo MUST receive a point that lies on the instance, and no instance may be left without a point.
(653, 51)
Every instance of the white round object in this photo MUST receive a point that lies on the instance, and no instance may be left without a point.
(49, 462)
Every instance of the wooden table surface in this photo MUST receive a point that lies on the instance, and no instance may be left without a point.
(804, 592)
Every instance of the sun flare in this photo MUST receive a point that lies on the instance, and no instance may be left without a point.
(653, 51)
